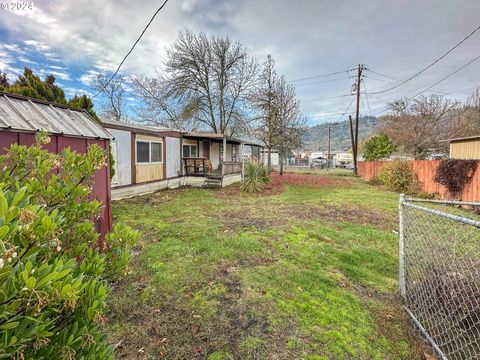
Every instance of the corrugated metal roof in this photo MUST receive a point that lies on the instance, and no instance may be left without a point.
(24, 114)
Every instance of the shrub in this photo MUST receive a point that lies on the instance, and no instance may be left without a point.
(378, 147)
(455, 174)
(398, 176)
(255, 176)
(54, 271)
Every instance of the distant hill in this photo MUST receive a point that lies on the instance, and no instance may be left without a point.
(316, 136)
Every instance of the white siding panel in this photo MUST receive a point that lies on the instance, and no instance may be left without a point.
(122, 157)
(173, 157)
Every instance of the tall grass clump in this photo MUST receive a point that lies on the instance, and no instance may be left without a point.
(256, 176)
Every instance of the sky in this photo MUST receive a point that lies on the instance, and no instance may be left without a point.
(75, 40)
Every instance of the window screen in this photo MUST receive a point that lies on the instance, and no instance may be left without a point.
(143, 152)
(156, 152)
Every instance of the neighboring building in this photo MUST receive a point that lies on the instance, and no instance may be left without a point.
(274, 157)
(22, 117)
(465, 148)
(342, 159)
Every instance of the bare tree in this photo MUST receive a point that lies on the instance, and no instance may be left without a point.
(467, 121)
(263, 98)
(420, 126)
(289, 122)
(156, 107)
(113, 92)
(214, 74)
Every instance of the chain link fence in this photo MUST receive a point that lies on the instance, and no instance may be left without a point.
(440, 273)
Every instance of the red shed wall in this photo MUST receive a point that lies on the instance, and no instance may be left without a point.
(101, 178)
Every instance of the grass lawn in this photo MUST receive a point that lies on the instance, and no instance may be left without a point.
(303, 272)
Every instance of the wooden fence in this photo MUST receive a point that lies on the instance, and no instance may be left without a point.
(424, 170)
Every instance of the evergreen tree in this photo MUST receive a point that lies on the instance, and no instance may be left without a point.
(32, 86)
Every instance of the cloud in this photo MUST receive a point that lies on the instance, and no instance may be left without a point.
(305, 37)
(88, 77)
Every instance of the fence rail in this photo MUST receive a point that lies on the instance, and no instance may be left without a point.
(439, 273)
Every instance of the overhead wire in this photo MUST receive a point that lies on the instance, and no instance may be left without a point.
(429, 65)
(131, 49)
(448, 76)
(320, 76)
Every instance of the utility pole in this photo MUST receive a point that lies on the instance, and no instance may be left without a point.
(328, 147)
(354, 150)
(357, 90)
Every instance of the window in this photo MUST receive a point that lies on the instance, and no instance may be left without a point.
(189, 151)
(156, 150)
(143, 152)
(149, 152)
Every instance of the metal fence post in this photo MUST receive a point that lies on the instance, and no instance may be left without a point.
(401, 246)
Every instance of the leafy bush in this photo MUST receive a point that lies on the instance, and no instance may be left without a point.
(398, 176)
(255, 176)
(54, 270)
(455, 174)
(378, 147)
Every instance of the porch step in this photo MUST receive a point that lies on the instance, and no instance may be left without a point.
(213, 181)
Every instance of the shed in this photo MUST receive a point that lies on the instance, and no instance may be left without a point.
(465, 148)
(21, 117)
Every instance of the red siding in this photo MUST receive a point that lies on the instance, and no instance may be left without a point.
(101, 178)
(425, 172)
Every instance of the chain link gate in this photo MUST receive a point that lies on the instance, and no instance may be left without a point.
(439, 273)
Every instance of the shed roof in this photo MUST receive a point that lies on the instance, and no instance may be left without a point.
(20, 113)
(476, 137)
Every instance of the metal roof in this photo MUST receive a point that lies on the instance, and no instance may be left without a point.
(464, 138)
(219, 137)
(20, 113)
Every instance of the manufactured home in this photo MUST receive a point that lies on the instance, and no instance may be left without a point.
(21, 117)
(151, 158)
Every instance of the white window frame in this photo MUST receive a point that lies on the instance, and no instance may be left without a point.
(190, 146)
(150, 162)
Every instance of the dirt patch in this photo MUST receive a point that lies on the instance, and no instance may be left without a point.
(173, 328)
(265, 217)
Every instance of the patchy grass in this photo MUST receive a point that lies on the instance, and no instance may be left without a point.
(307, 273)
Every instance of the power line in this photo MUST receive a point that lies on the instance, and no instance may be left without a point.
(366, 97)
(326, 98)
(324, 81)
(384, 75)
(448, 76)
(428, 66)
(320, 76)
(133, 47)
(339, 114)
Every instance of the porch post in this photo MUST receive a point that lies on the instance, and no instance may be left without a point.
(224, 154)
(242, 148)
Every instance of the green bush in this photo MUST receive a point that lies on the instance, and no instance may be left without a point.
(54, 271)
(255, 176)
(398, 176)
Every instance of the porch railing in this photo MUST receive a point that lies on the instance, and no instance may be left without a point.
(203, 167)
(232, 167)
